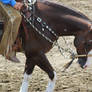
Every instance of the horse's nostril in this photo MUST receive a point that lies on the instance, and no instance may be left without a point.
(85, 66)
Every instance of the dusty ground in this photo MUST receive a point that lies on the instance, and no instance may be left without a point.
(73, 80)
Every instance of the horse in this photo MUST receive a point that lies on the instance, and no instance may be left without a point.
(64, 21)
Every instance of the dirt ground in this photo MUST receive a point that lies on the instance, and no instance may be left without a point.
(73, 80)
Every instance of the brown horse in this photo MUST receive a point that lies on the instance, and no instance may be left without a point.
(65, 22)
(47, 16)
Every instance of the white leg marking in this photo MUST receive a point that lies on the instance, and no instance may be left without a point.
(51, 84)
(89, 60)
(24, 86)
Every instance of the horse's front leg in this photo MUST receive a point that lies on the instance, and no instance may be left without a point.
(44, 64)
(27, 74)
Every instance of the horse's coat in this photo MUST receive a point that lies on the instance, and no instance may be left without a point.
(64, 22)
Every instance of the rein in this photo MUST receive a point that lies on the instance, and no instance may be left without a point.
(84, 55)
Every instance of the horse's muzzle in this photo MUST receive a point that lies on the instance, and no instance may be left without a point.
(82, 62)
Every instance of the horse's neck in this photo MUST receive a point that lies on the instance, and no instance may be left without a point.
(58, 20)
(62, 19)
(51, 17)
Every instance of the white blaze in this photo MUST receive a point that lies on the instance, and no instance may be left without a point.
(89, 60)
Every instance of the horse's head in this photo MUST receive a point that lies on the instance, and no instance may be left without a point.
(83, 45)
